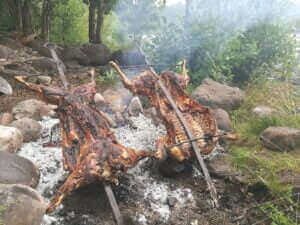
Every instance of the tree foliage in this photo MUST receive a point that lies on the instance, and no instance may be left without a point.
(226, 49)
(69, 22)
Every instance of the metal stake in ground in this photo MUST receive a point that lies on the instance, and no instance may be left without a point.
(210, 184)
(114, 205)
(110, 195)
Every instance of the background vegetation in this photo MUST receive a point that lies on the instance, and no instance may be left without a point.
(249, 43)
(231, 41)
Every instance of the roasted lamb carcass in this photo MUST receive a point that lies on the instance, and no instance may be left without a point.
(90, 150)
(199, 118)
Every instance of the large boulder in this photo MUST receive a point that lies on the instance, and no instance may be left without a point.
(97, 54)
(5, 52)
(281, 138)
(11, 139)
(5, 87)
(217, 95)
(20, 205)
(11, 43)
(223, 119)
(32, 108)
(263, 111)
(15, 169)
(29, 128)
(38, 45)
(75, 54)
(44, 64)
(129, 57)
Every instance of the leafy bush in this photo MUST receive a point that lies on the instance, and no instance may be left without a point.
(236, 57)
(259, 48)
(70, 22)
(108, 77)
(112, 36)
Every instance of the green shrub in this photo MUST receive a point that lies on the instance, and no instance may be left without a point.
(108, 77)
(70, 22)
(238, 57)
(260, 48)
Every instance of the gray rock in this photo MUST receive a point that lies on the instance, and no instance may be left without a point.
(220, 166)
(97, 54)
(217, 95)
(135, 107)
(289, 177)
(33, 109)
(152, 114)
(5, 52)
(38, 46)
(118, 100)
(11, 139)
(99, 99)
(71, 54)
(17, 170)
(44, 64)
(6, 118)
(29, 128)
(5, 87)
(223, 119)
(129, 57)
(11, 43)
(281, 138)
(263, 111)
(46, 80)
(20, 205)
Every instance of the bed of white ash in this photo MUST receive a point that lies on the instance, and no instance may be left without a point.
(140, 134)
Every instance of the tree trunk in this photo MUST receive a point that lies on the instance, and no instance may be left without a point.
(21, 13)
(27, 18)
(45, 23)
(100, 17)
(92, 12)
(15, 11)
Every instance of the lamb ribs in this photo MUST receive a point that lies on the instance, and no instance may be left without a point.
(199, 118)
(90, 150)
(191, 128)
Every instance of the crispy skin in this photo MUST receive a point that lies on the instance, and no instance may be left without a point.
(199, 118)
(90, 150)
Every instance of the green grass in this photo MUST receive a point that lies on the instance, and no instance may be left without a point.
(280, 96)
(2, 208)
(250, 157)
(278, 216)
(109, 77)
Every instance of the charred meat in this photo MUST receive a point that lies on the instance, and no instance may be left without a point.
(199, 118)
(90, 150)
